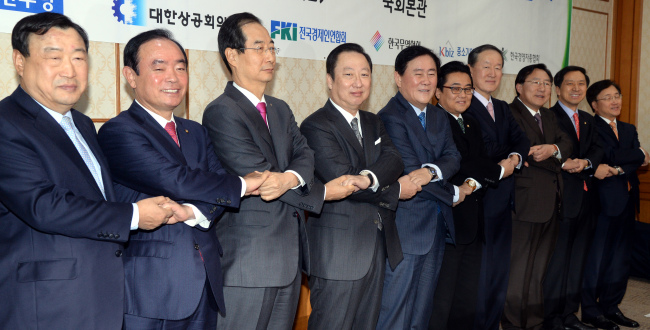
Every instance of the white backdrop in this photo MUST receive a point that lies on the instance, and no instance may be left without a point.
(527, 31)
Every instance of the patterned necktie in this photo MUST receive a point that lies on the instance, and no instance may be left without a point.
(261, 107)
(461, 123)
(355, 127)
(490, 108)
(538, 119)
(66, 123)
(423, 119)
(171, 129)
(576, 121)
(613, 126)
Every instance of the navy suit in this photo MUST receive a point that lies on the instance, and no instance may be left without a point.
(608, 263)
(169, 264)
(501, 137)
(61, 242)
(423, 221)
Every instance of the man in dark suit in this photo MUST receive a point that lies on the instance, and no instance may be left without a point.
(455, 297)
(608, 261)
(563, 281)
(63, 231)
(265, 243)
(151, 152)
(503, 139)
(352, 238)
(422, 136)
(538, 196)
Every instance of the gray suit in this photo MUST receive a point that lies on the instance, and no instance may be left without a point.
(264, 243)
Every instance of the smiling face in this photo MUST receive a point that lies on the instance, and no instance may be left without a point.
(456, 104)
(535, 95)
(418, 82)
(350, 86)
(487, 72)
(611, 108)
(162, 82)
(56, 72)
(573, 89)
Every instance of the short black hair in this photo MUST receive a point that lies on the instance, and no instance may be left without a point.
(333, 56)
(232, 36)
(452, 67)
(39, 24)
(132, 48)
(472, 58)
(597, 87)
(409, 53)
(559, 76)
(527, 70)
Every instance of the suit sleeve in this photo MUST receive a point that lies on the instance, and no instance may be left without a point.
(27, 191)
(595, 151)
(629, 159)
(480, 167)
(137, 164)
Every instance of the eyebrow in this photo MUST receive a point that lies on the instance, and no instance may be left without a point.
(159, 61)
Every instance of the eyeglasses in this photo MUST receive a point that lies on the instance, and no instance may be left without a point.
(540, 83)
(261, 50)
(570, 84)
(611, 97)
(456, 90)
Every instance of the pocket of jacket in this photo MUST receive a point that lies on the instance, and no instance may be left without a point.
(47, 270)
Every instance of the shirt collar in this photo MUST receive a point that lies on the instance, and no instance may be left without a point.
(348, 116)
(483, 100)
(532, 112)
(56, 115)
(250, 96)
(566, 109)
(607, 120)
(417, 110)
(159, 119)
(456, 117)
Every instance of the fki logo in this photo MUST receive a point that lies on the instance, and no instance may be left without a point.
(287, 30)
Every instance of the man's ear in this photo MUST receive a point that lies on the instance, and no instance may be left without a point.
(129, 75)
(232, 57)
(19, 62)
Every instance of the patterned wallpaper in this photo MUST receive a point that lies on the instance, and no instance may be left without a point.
(301, 83)
(643, 118)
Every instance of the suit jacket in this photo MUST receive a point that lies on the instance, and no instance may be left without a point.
(501, 137)
(171, 262)
(475, 164)
(625, 153)
(537, 186)
(417, 217)
(344, 235)
(584, 148)
(61, 242)
(264, 242)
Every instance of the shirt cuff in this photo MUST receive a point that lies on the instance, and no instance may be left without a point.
(243, 187)
(478, 184)
(521, 160)
(456, 194)
(559, 153)
(588, 165)
(135, 218)
(199, 218)
(503, 170)
(436, 169)
(375, 184)
(301, 182)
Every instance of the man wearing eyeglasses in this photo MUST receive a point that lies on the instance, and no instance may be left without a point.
(563, 281)
(265, 241)
(423, 137)
(608, 265)
(454, 304)
(538, 196)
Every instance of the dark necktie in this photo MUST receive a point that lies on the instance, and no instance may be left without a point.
(461, 123)
(355, 127)
(423, 120)
(538, 119)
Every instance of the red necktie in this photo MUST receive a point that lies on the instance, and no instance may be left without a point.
(576, 121)
(261, 107)
(171, 129)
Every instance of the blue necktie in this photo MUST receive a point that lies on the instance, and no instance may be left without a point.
(66, 123)
(423, 119)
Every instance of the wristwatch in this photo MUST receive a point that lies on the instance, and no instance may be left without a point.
(471, 183)
(433, 172)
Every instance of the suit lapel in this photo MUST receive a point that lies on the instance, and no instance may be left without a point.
(342, 125)
(89, 135)
(278, 133)
(482, 115)
(415, 125)
(189, 147)
(608, 130)
(152, 128)
(529, 120)
(369, 137)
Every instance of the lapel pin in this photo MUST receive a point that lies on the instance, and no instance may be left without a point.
(186, 131)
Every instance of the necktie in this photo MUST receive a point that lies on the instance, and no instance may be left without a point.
(490, 108)
(66, 123)
(171, 130)
(261, 107)
(461, 123)
(613, 126)
(355, 127)
(576, 121)
(538, 119)
(423, 119)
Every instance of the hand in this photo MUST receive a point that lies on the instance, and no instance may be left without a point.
(604, 171)
(541, 152)
(408, 189)
(461, 195)
(277, 184)
(421, 176)
(614, 171)
(181, 212)
(361, 182)
(254, 180)
(508, 166)
(646, 159)
(467, 190)
(152, 214)
(340, 188)
(514, 158)
(574, 165)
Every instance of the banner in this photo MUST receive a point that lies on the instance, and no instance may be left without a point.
(527, 31)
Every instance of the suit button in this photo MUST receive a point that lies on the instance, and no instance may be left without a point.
(228, 202)
(100, 235)
(196, 246)
(376, 221)
(105, 235)
(117, 236)
(118, 253)
(111, 235)
(295, 214)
